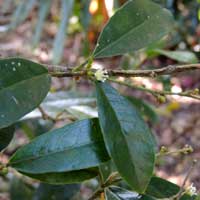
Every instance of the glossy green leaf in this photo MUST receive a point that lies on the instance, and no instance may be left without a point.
(144, 108)
(56, 192)
(59, 42)
(128, 139)
(23, 86)
(62, 178)
(161, 188)
(75, 146)
(181, 56)
(44, 8)
(6, 135)
(117, 193)
(135, 25)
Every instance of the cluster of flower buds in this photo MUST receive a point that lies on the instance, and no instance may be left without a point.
(195, 92)
(191, 190)
(100, 74)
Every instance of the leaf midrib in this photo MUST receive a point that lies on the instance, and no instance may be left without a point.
(115, 115)
(65, 149)
(127, 33)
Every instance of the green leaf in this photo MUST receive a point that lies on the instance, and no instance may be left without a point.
(144, 108)
(134, 26)
(117, 193)
(23, 86)
(65, 177)
(6, 135)
(55, 192)
(128, 139)
(181, 56)
(76, 146)
(161, 188)
(59, 42)
(44, 8)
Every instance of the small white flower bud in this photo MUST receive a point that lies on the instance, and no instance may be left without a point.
(191, 190)
(101, 75)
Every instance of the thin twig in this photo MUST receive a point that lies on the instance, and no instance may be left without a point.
(155, 92)
(178, 196)
(169, 70)
(45, 116)
(113, 178)
(165, 152)
(96, 194)
(59, 71)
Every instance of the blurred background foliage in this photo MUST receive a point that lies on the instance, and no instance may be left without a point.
(64, 32)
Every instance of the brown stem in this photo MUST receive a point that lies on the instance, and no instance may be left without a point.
(45, 116)
(113, 178)
(96, 194)
(59, 71)
(156, 92)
